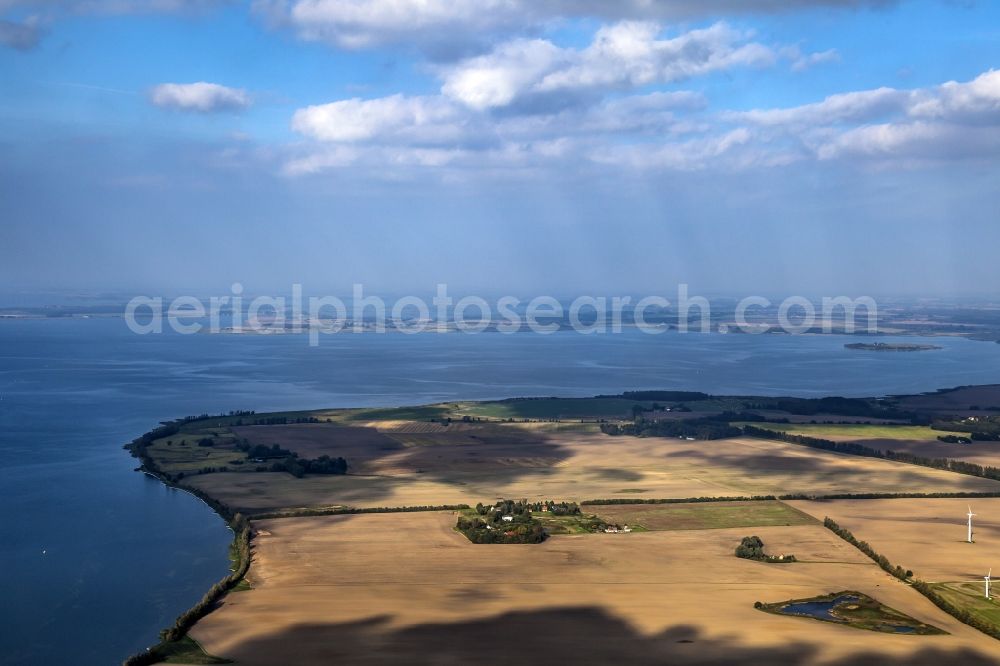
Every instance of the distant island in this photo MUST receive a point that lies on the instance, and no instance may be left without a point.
(883, 346)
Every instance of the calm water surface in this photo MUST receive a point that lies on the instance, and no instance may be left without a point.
(96, 558)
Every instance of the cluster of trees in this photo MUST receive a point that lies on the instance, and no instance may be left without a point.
(752, 548)
(701, 428)
(492, 528)
(864, 407)
(881, 560)
(983, 428)
(262, 451)
(299, 467)
(523, 507)
(289, 461)
(954, 439)
(853, 448)
(557, 508)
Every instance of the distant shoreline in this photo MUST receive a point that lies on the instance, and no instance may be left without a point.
(890, 347)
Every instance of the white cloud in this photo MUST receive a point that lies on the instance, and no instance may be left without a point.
(498, 78)
(622, 56)
(979, 97)
(951, 121)
(201, 96)
(363, 23)
(421, 119)
(529, 105)
(360, 23)
(844, 107)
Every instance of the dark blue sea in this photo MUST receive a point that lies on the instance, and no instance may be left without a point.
(96, 558)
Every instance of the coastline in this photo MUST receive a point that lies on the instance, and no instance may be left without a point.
(172, 638)
(176, 637)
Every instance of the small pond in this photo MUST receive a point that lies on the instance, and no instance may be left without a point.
(822, 610)
(819, 609)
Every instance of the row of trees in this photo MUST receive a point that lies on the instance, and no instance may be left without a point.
(346, 511)
(853, 448)
(679, 500)
(960, 614)
(881, 560)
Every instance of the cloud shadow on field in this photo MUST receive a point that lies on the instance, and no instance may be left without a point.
(579, 636)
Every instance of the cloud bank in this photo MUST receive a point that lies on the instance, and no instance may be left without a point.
(528, 105)
(365, 23)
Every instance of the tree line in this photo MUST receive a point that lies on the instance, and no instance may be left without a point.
(853, 448)
(920, 586)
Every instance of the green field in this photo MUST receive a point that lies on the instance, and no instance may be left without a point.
(857, 431)
(702, 515)
(187, 651)
(181, 453)
(970, 597)
(552, 408)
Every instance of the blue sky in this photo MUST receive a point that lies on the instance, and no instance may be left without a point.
(500, 145)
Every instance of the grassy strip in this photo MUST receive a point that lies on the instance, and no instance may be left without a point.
(920, 586)
(853, 448)
(959, 614)
(346, 510)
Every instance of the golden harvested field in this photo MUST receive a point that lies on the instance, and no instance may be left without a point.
(515, 463)
(405, 588)
(925, 535)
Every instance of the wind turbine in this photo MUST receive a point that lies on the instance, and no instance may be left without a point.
(970, 524)
(987, 578)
